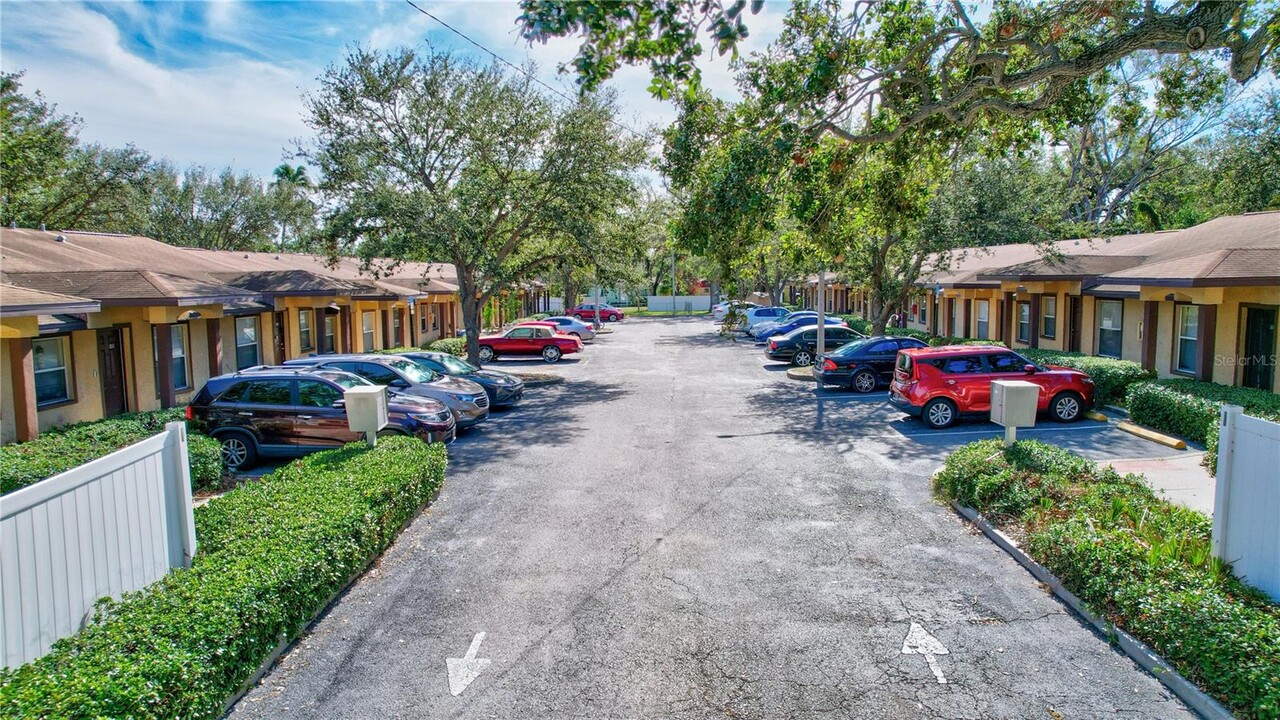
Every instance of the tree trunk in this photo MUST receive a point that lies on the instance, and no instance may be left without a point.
(570, 290)
(878, 315)
(471, 305)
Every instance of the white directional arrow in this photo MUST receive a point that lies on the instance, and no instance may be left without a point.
(919, 642)
(465, 669)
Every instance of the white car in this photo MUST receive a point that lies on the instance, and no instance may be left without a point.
(722, 308)
(760, 315)
(571, 326)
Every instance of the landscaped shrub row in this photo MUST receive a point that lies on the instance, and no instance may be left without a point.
(453, 346)
(1111, 377)
(1141, 562)
(60, 449)
(1189, 409)
(271, 554)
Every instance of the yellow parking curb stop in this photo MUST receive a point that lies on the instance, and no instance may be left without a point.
(1095, 415)
(1152, 435)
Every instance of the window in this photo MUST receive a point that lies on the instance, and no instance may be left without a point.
(304, 329)
(52, 360)
(424, 311)
(270, 392)
(236, 393)
(375, 373)
(366, 326)
(1024, 322)
(1110, 328)
(246, 342)
(962, 364)
(1007, 363)
(1188, 338)
(395, 329)
(524, 332)
(312, 393)
(330, 334)
(1049, 317)
(178, 362)
(984, 319)
(924, 314)
(884, 347)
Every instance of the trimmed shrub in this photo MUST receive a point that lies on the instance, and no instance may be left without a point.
(1111, 377)
(60, 449)
(271, 555)
(453, 346)
(1189, 409)
(1141, 562)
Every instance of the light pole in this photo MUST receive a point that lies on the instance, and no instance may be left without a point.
(822, 313)
(673, 282)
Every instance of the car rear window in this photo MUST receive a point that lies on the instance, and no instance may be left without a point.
(905, 363)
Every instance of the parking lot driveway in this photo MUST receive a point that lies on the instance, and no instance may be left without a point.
(677, 532)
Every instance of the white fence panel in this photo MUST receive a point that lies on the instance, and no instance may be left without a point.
(683, 303)
(1246, 510)
(108, 527)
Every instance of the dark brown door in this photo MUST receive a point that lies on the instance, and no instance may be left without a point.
(279, 336)
(1075, 317)
(1259, 348)
(111, 371)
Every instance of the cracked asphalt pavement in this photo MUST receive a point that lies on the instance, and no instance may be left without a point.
(678, 531)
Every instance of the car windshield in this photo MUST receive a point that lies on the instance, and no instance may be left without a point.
(457, 365)
(413, 371)
(853, 347)
(346, 380)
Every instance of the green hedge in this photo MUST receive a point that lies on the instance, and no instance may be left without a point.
(59, 449)
(271, 554)
(1111, 377)
(1142, 562)
(1189, 409)
(453, 346)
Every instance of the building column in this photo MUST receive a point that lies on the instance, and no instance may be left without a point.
(1206, 333)
(968, 318)
(164, 364)
(22, 369)
(1008, 319)
(1033, 332)
(344, 321)
(213, 334)
(1150, 324)
(386, 328)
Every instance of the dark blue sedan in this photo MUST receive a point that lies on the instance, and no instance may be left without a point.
(862, 365)
(796, 323)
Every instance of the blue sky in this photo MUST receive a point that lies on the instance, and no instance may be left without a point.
(219, 82)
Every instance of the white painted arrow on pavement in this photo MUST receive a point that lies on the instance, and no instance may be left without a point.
(465, 669)
(919, 642)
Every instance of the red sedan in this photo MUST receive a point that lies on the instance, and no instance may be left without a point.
(587, 311)
(529, 339)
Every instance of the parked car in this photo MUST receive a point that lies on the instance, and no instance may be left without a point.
(607, 312)
(720, 309)
(467, 400)
(799, 346)
(862, 365)
(940, 384)
(503, 389)
(765, 324)
(287, 412)
(799, 322)
(529, 340)
(756, 316)
(571, 326)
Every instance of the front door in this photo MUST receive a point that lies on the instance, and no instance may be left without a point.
(111, 371)
(1075, 317)
(278, 332)
(1259, 348)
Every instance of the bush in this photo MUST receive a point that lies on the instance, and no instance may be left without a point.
(60, 449)
(271, 555)
(1190, 408)
(1143, 563)
(453, 346)
(1111, 377)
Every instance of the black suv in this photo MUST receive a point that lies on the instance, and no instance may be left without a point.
(286, 412)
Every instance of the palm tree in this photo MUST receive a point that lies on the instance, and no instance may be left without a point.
(290, 184)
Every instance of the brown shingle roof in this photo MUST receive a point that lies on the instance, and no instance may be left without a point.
(125, 287)
(17, 301)
(1066, 266)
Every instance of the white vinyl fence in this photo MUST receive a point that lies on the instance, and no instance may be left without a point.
(683, 303)
(108, 527)
(1246, 508)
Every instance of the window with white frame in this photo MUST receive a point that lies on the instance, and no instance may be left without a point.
(1024, 322)
(1110, 328)
(178, 374)
(1049, 317)
(984, 319)
(330, 334)
(366, 326)
(1188, 339)
(396, 340)
(304, 329)
(52, 360)
(246, 342)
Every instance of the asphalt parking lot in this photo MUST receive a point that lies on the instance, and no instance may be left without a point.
(679, 531)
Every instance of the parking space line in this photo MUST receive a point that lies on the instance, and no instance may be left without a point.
(993, 433)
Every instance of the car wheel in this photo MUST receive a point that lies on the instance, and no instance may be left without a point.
(551, 353)
(579, 318)
(576, 334)
(486, 354)
(939, 413)
(238, 451)
(1067, 407)
(802, 358)
(864, 381)
(612, 318)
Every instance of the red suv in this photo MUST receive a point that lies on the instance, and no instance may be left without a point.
(939, 384)
(587, 311)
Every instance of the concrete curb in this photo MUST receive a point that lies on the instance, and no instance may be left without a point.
(1194, 697)
(801, 373)
(1152, 435)
(540, 382)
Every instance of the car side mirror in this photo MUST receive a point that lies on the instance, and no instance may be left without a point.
(1029, 368)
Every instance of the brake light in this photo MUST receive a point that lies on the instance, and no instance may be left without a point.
(188, 414)
(773, 345)
(829, 365)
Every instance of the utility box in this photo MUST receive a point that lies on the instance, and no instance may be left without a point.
(1013, 405)
(366, 410)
